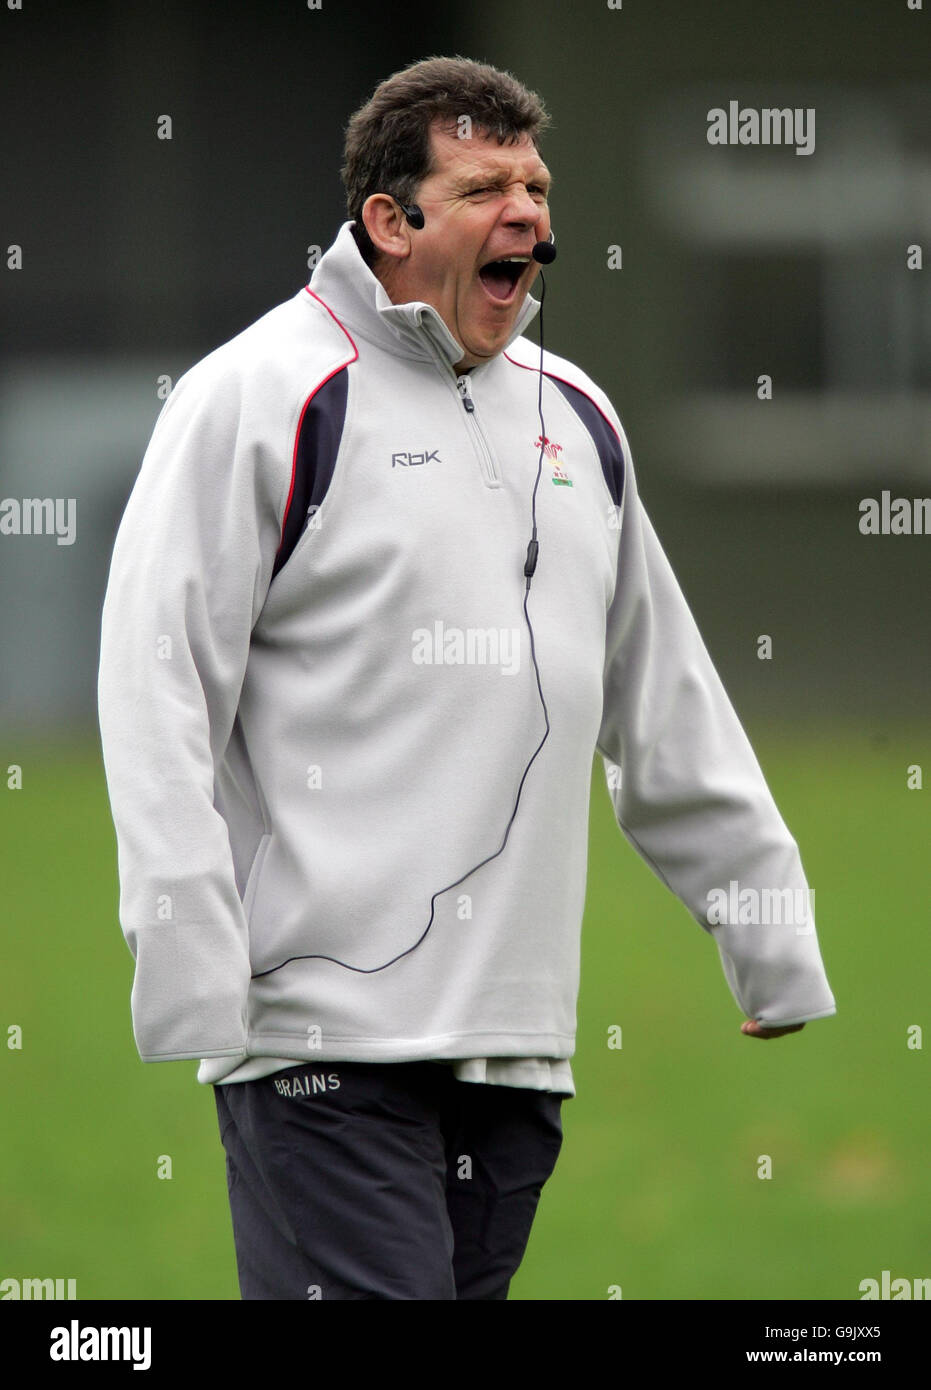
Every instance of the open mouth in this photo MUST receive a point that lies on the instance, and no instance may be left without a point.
(500, 277)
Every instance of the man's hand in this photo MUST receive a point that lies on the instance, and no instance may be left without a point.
(756, 1030)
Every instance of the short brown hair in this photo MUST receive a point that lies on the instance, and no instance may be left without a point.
(388, 147)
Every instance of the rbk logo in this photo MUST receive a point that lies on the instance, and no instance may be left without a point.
(406, 460)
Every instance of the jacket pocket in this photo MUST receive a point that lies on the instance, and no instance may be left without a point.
(252, 883)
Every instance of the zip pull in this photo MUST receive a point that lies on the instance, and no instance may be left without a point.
(464, 386)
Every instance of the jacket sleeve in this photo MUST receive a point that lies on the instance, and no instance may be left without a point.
(689, 794)
(191, 566)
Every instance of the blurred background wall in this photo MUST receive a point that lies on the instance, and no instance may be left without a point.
(140, 254)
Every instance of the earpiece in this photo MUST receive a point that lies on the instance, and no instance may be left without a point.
(413, 214)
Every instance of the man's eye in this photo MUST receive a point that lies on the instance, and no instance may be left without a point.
(535, 190)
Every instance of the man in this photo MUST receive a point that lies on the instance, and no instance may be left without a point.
(380, 592)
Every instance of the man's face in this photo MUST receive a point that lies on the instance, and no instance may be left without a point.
(483, 202)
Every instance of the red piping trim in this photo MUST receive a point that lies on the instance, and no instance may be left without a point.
(574, 386)
(320, 384)
(336, 321)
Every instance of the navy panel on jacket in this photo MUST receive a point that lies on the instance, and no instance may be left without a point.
(605, 439)
(319, 434)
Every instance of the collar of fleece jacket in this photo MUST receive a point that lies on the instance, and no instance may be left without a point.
(347, 286)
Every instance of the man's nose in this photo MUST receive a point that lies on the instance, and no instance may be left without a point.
(522, 208)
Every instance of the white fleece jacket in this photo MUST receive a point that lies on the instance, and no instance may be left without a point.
(318, 703)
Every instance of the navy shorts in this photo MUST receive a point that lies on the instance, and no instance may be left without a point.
(383, 1180)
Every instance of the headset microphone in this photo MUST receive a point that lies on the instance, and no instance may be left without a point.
(545, 252)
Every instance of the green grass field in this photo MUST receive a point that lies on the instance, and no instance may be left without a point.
(656, 1190)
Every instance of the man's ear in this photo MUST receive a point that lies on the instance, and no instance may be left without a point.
(387, 226)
